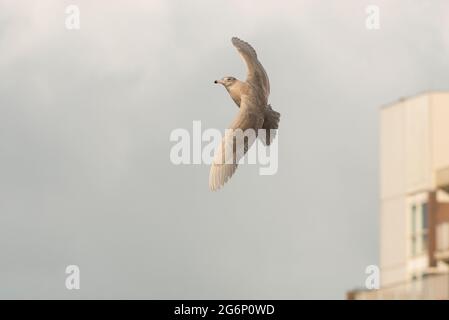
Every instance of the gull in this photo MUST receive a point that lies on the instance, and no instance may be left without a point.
(251, 96)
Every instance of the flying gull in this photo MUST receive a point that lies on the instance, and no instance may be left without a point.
(255, 113)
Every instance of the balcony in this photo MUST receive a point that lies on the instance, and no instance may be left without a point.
(442, 242)
(441, 252)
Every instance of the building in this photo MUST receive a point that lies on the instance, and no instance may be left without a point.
(414, 200)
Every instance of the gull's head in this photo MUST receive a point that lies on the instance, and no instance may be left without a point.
(226, 81)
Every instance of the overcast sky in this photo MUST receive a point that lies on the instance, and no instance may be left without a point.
(85, 119)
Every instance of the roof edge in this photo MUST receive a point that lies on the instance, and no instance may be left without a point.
(417, 95)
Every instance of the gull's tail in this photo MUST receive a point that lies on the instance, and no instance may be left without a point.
(270, 124)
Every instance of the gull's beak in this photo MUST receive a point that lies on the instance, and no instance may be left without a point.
(218, 81)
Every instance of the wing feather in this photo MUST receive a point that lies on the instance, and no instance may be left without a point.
(231, 151)
(256, 73)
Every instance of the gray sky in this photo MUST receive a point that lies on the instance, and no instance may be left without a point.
(85, 118)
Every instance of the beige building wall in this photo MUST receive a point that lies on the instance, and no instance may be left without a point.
(414, 164)
(417, 157)
(440, 133)
(414, 145)
(393, 253)
(392, 217)
(392, 153)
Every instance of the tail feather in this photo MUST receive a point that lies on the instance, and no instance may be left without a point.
(271, 122)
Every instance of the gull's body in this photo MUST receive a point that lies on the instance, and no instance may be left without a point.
(255, 113)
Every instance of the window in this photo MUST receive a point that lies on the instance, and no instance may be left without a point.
(413, 229)
(419, 229)
(425, 228)
(424, 215)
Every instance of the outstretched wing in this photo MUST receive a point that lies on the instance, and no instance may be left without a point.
(232, 148)
(256, 73)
